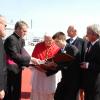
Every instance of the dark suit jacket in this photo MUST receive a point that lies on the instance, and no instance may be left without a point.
(70, 69)
(79, 43)
(14, 46)
(68, 87)
(3, 67)
(92, 74)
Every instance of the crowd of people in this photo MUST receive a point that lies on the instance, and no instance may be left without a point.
(80, 76)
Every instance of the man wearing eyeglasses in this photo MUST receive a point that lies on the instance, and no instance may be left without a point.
(3, 68)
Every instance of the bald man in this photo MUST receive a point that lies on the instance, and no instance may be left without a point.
(79, 43)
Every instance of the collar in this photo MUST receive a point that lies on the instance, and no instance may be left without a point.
(17, 35)
(74, 38)
(94, 42)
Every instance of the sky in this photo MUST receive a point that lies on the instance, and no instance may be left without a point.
(52, 15)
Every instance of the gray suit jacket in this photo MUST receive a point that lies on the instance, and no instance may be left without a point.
(3, 67)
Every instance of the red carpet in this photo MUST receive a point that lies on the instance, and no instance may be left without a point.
(26, 87)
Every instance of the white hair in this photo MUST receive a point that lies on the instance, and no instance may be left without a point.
(95, 28)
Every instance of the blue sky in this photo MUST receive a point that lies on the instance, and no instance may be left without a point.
(52, 15)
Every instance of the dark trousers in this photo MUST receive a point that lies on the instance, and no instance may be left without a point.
(65, 93)
(13, 86)
(92, 94)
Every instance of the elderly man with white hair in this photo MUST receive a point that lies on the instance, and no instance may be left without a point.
(43, 87)
(91, 66)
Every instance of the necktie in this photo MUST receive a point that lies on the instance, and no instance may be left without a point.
(71, 41)
(89, 45)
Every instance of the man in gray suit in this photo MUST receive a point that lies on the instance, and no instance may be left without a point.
(3, 68)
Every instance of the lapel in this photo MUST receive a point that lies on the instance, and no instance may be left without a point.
(75, 42)
(68, 49)
(94, 52)
(89, 46)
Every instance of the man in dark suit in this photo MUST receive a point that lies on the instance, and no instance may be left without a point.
(68, 87)
(14, 50)
(3, 68)
(75, 40)
(80, 44)
(91, 66)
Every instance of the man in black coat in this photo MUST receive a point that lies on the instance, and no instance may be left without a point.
(68, 87)
(75, 40)
(14, 47)
(91, 66)
(80, 44)
(3, 68)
